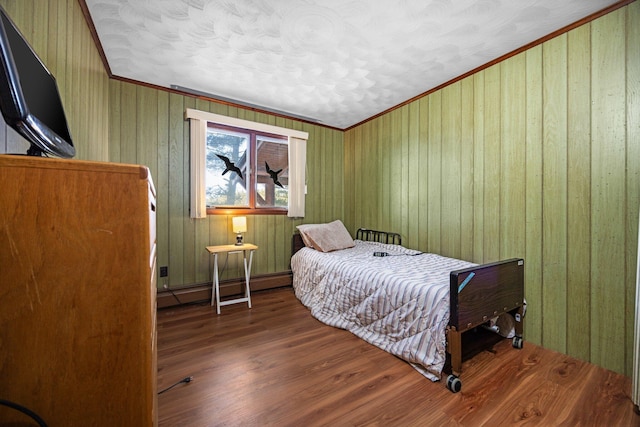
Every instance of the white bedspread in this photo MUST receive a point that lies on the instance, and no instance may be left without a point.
(399, 303)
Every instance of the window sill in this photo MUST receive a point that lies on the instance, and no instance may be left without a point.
(246, 211)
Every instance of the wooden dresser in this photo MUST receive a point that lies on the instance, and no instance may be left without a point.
(77, 292)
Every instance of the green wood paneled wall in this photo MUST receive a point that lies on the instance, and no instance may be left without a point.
(147, 126)
(58, 32)
(535, 157)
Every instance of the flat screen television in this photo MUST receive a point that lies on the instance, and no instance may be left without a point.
(29, 96)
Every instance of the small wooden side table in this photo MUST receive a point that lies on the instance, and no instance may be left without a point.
(230, 249)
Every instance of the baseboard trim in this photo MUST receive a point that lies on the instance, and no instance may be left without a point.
(202, 292)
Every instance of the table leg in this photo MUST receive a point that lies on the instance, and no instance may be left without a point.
(247, 274)
(215, 289)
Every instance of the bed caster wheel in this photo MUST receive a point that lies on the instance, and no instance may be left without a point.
(454, 384)
(518, 342)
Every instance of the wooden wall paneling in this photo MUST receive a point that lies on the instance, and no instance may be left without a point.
(267, 257)
(403, 191)
(334, 169)
(478, 165)
(115, 120)
(57, 46)
(375, 182)
(633, 165)
(75, 110)
(146, 141)
(422, 215)
(350, 202)
(337, 180)
(70, 92)
(177, 210)
(492, 170)
(554, 226)
(129, 122)
(188, 248)
(384, 148)
(284, 260)
(281, 249)
(219, 235)
(395, 163)
(365, 162)
(533, 196)
(314, 172)
(578, 190)
(39, 17)
(3, 137)
(363, 180)
(15, 143)
(413, 173)
(382, 177)
(451, 170)
(161, 182)
(392, 164)
(327, 168)
(608, 190)
(321, 168)
(435, 172)
(219, 109)
(271, 237)
(83, 45)
(97, 112)
(467, 206)
(361, 184)
(369, 187)
(513, 157)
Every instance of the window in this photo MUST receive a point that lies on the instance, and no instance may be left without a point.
(246, 169)
(249, 147)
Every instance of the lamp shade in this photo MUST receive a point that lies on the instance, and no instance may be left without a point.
(239, 224)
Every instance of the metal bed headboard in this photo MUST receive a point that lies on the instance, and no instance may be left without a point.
(378, 236)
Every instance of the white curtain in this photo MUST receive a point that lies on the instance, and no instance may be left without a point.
(297, 159)
(198, 145)
(297, 176)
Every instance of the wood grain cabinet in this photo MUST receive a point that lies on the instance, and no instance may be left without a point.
(77, 292)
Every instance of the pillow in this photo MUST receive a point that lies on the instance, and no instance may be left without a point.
(326, 237)
(307, 241)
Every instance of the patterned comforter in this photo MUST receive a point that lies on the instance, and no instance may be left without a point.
(399, 303)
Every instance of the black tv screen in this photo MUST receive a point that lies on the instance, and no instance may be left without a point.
(29, 96)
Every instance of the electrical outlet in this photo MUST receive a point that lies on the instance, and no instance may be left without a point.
(164, 271)
(165, 286)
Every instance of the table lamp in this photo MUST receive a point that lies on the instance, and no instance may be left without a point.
(239, 227)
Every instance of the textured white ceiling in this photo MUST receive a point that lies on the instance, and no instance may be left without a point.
(335, 61)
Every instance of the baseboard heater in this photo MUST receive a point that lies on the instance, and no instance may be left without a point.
(202, 292)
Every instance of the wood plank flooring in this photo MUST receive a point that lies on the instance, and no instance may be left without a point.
(275, 365)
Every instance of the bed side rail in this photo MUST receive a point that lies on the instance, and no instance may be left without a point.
(485, 291)
(378, 236)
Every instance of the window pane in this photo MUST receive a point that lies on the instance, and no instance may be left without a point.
(227, 167)
(272, 180)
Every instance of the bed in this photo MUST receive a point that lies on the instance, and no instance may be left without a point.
(418, 306)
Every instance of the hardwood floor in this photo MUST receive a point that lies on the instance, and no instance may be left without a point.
(275, 365)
